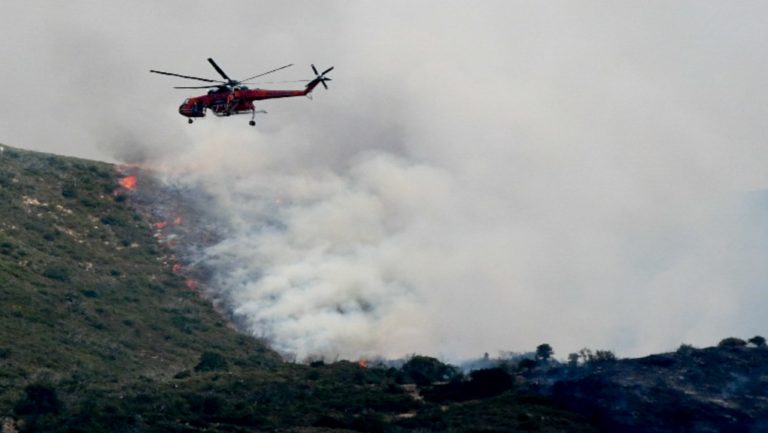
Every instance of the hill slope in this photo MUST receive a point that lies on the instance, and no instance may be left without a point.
(100, 332)
(83, 286)
(97, 333)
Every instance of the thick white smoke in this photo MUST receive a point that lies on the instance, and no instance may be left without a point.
(388, 254)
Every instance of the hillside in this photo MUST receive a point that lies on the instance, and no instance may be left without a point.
(104, 327)
(100, 332)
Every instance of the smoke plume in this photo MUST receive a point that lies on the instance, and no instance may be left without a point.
(478, 178)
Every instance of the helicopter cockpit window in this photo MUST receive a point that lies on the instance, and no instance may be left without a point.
(186, 101)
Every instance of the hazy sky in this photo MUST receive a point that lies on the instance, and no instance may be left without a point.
(481, 176)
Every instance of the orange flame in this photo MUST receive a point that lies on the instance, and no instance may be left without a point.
(363, 363)
(176, 268)
(177, 221)
(192, 284)
(128, 182)
(160, 225)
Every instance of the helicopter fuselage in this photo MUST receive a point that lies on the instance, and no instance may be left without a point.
(238, 101)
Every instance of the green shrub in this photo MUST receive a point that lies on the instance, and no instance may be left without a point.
(211, 361)
(69, 191)
(39, 399)
(423, 370)
(182, 374)
(112, 220)
(58, 274)
(90, 293)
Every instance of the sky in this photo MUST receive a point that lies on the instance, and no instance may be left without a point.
(480, 177)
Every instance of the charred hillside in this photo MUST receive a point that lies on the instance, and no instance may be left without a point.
(715, 389)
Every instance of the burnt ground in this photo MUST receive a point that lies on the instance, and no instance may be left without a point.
(716, 389)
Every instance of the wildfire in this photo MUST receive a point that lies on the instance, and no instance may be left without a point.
(128, 182)
(362, 363)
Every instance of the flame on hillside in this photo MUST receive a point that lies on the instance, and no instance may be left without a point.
(128, 182)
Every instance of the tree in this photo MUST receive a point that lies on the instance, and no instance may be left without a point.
(544, 352)
(573, 359)
(604, 356)
(758, 341)
(586, 355)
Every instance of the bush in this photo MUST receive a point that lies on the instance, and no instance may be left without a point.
(58, 274)
(112, 220)
(758, 341)
(39, 399)
(69, 191)
(483, 383)
(182, 374)
(489, 382)
(423, 370)
(211, 361)
(731, 342)
(90, 293)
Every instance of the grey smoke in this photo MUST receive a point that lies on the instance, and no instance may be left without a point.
(479, 178)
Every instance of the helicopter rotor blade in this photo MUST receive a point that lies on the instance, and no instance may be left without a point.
(268, 72)
(185, 76)
(276, 82)
(218, 69)
(197, 87)
(315, 69)
(327, 70)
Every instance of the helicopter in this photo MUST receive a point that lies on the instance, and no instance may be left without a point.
(230, 97)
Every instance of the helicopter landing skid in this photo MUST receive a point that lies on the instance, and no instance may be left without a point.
(252, 122)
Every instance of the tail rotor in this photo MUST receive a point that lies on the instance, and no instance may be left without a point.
(320, 77)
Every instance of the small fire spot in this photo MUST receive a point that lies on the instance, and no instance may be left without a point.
(192, 284)
(128, 182)
(362, 363)
(176, 268)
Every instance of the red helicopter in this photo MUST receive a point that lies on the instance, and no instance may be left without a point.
(233, 97)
